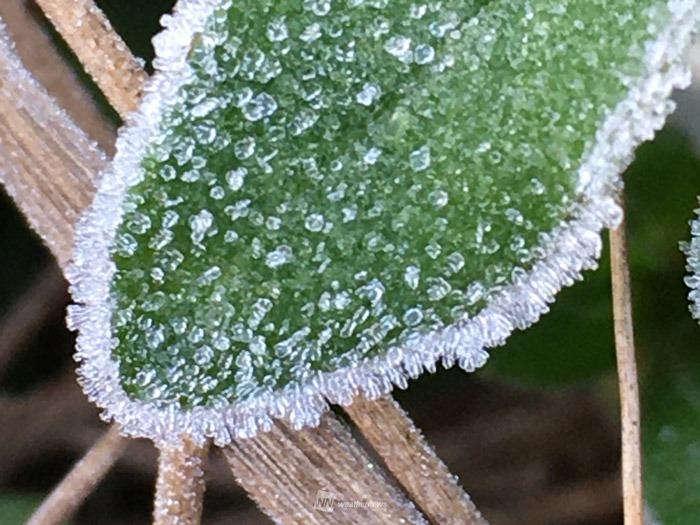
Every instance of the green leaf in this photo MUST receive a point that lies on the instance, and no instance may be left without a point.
(323, 198)
(672, 446)
(16, 509)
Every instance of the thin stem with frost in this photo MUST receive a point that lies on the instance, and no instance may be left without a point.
(633, 495)
(102, 52)
(180, 486)
(300, 476)
(413, 462)
(79, 483)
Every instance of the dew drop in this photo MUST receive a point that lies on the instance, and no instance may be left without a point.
(372, 156)
(171, 259)
(475, 292)
(204, 356)
(399, 47)
(260, 107)
(412, 276)
(200, 224)
(455, 262)
(420, 159)
(155, 336)
(258, 345)
(536, 187)
(244, 148)
(318, 7)
(303, 122)
(273, 223)
(244, 360)
(438, 288)
(125, 245)
(168, 173)
(438, 198)
(413, 317)
(217, 193)
(433, 250)
(311, 33)
(338, 192)
(260, 309)
(342, 301)
(277, 30)
(315, 222)
(144, 377)
(242, 96)
(191, 176)
(205, 107)
(369, 94)
(138, 223)
(514, 216)
(349, 214)
(372, 291)
(179, 325)
(424, 54)
(170, 218)
(418, 11)
(210, 275)
(279, 257)
(236, 178)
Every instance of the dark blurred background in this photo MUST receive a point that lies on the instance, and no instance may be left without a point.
(533, 436)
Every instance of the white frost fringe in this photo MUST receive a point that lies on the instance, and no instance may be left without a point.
(569, 249)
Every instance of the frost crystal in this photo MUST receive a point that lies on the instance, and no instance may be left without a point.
(319, 201)
(692, 250)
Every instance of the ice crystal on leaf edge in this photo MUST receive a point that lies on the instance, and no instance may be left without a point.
(569, 249)
(692, 251)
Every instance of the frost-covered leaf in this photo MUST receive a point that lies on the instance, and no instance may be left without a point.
(322, 198)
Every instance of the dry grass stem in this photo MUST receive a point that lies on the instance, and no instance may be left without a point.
(79, 483)
(632, 489)
(323, 462)
(180, 486)
(36, 48)
(46, 162)
(99, 48)
(409, 457)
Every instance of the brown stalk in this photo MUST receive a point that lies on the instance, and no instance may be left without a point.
(405, 452)
(47, 163)
(180, 486)
(286, 471)
(632, 489)
(37, 50)
(99, 48)
(72, 166)
(81, 480)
